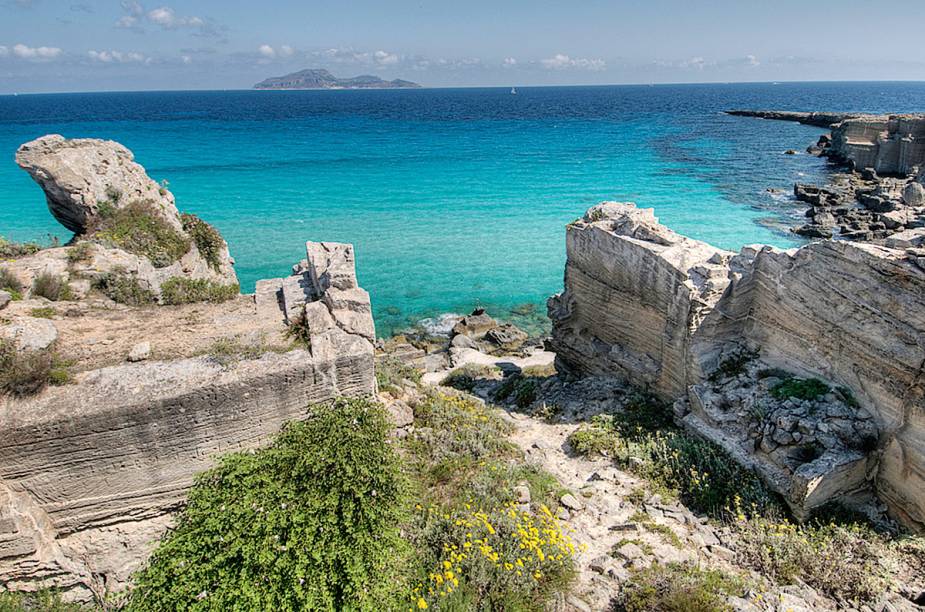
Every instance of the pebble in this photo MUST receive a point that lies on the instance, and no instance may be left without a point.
(571, 502)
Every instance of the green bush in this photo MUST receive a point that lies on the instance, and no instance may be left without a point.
(465, 378)
(677, 587)
(465, 471)
(15, 250)
(299, 331)
(643, 440)
(847, 561)
(391, 372)
(52, 287)
(520, 388)
(181, 290)
(308, 523)
(10, 283)
(733, 365)
(124, 288)
(46, 312)
(800, 388)
(208, 240)
(139, 229)
(41, 601)
(24, 373)
(81, 252)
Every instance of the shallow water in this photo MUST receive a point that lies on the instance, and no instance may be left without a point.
(453, 197)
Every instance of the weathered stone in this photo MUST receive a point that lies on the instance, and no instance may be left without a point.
(522, 494)
(140, 352)
(645, 304)
(464, 341)
(331, 265)
(629, 551)
(29, 333)
(5, 299)
(570, 502)
(507, 336)
(475, 325)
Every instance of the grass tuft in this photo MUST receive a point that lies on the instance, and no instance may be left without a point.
(181, 290)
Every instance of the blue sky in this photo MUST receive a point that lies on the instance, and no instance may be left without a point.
(92, 45)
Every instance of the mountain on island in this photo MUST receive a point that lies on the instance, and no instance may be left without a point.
(322, 79)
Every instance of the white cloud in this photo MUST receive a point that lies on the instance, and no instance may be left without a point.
(117, 57)
(509, 62)
(383, 58)
(751, 60)
(164, 17)
(266, 51)
(286, 51)
(186, 59)
(4, 51)
(36, 53)
(560, 61)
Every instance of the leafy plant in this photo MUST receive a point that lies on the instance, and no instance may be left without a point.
(390, 372)
(82, 252)
(309, 523)
(52, 287)
(40, 601)
(46, 312)
(124, 288)
(207, 239)
(138, 228)
(643, 439)
(299, 331)
(466, 377)
(800, 388)
(181, 290)
(24, 373)
(733, 365)
(9, 282)
(677, 587)
(15, 250)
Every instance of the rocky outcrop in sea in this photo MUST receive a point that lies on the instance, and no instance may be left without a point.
(879, 188)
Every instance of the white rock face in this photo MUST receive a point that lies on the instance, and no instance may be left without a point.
(30, 334)
(889, 144)
(662, 311)
(78, 174)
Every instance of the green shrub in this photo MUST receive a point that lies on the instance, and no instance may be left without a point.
(299, 331)
(181, 290)
(46, 312)
(465, 471)
(124, 288)
(15, 250)
(308, 523)
(733, 365)
(41, 601)
(9, 282)
(642, 439)
(391, 372)
(139, 229)
(24, 373)
(208, 240)
(465, 378)
(82, 252)
(520, 388)
(52, 287)
(800, 388)
(677, 587)
(848, 561)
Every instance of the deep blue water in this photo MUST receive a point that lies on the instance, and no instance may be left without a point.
(452, 197)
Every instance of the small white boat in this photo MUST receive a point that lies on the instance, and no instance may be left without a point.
(513, 91)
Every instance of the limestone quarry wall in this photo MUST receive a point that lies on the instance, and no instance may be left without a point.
(92, 472)
(888, 144)
(848, 313)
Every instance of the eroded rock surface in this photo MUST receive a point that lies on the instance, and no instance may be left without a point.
(664, 311)
(91, 473)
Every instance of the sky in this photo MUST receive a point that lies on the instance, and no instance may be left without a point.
(122, 45)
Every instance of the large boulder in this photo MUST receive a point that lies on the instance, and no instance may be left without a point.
(77, 175)
(87, 183)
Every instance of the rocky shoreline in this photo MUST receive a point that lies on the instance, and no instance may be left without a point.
(878, 189)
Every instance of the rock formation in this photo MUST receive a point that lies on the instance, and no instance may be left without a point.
(92, 472)
(672, 314)
(879, 195)
(84, 178)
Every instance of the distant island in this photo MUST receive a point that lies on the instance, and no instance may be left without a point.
(322, 79)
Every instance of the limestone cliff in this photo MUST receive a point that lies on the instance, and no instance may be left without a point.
(92, 472)
(667, 312)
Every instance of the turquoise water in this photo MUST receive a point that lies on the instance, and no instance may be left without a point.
(452, 197)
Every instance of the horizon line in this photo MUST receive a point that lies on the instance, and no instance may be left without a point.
(444, 87)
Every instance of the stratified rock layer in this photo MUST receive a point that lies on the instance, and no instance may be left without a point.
(92, 472)
(665, 311)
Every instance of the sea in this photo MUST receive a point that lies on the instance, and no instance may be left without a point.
(453, 198)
